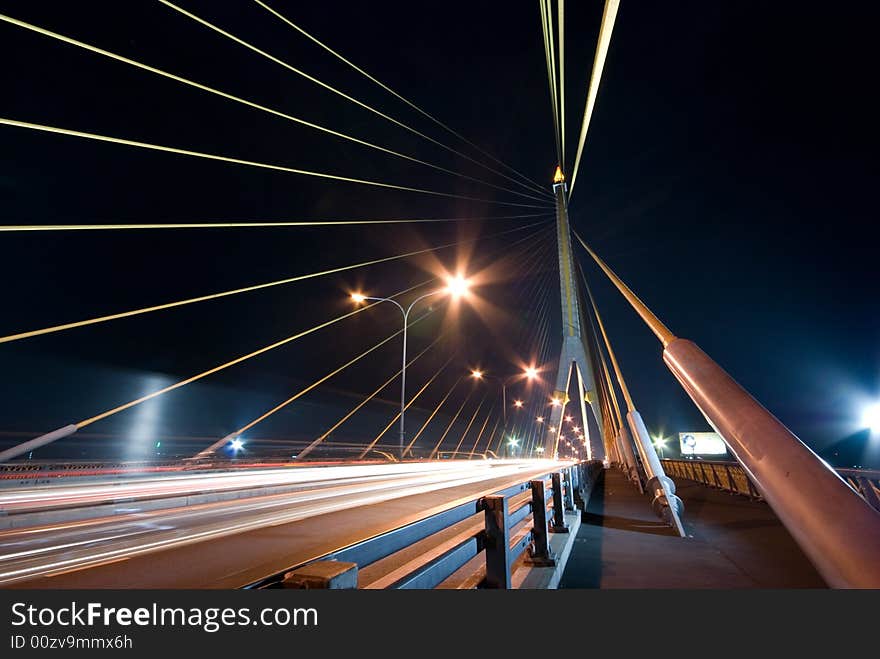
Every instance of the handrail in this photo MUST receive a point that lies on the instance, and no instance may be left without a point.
(730, 476)
(504, 511)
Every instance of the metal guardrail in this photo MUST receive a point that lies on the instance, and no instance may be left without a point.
(513, 530)
(731, 477)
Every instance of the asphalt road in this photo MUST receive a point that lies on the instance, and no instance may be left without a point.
(233, 542)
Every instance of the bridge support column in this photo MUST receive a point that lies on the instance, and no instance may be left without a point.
(574, 351)
(629, 459)
(835, 527)
(665, 504)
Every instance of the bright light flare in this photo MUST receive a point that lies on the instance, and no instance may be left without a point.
(513, 441)
(517, 403)
(236, 444)
(555, 402)
(539, 449)
(569, 418)
(477, 374)
(540, 419)
(358, 298)
(457, 286)
(531, 372)
(871, 418)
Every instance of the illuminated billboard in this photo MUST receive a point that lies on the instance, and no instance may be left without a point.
(701, 443)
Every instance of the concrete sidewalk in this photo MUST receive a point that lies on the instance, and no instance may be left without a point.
(732, 543)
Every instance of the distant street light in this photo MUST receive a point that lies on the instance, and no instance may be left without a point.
(660, 443)
(540, 419)
(530, 373)
(455, 287)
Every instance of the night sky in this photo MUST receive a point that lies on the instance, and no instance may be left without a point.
(728, 177)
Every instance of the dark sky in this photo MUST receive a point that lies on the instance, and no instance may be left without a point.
(728, 176)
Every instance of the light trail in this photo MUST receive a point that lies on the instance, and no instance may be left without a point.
(245, 289)
(535, 186)
(242, 101)
(249, 163)
(329, 88)
(48, 551)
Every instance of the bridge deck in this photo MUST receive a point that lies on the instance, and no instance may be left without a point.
(732, 543)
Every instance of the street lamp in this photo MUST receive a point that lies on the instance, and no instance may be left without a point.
(456, 287)
(512, 443)
(660, 443)
(530, 373)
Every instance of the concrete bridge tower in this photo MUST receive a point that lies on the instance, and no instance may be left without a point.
(575, 351)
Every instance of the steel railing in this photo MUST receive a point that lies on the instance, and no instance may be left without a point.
(510, 528)
(731, 477)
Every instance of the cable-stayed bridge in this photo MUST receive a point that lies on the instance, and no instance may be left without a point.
(496, 426)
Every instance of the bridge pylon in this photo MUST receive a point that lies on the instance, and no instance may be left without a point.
(573, 358)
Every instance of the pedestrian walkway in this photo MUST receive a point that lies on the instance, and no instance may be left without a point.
(732, 543)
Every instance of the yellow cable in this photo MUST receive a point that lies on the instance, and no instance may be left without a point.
(609, 14)
(308, 449)
(464, 434)
(394, 93)
(213, 296)
(561, 7)
(551, 76)
(211, 90)
(233, 362)
(239, 161)
(451, 423)
(425, 424)
(318, 382)
(310, 78)
(248, 225)
(482, 430)
(405, 407)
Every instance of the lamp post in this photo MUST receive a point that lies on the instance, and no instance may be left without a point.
(530, 373)
(660, 443)
(456, 287)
